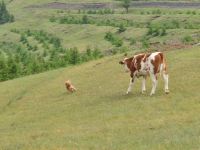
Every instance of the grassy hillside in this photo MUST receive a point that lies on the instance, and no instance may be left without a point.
(37, 113)
(45, 35)
(75, 35)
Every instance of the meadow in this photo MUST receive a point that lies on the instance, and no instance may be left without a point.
(44, 46)
(38, 113)
(44, 38)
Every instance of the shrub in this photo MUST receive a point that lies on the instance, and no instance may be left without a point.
(156, 31)
(23, 39)
(113, 39)
(97, 53)
(109, 36)
(157, 11)
(163, 31)
(85, 19)
(117, 42)
(194, 12)
(52, 19)
(188, 12)
(187, 39)
(121, 28)
(74, 56)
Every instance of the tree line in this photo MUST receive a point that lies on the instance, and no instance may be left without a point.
(24, 58)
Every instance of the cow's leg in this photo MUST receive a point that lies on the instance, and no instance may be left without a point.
(165, 77)
(154, 83)
(130, 85)
(143, 85)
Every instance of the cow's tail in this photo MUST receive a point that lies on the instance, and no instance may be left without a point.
(163, 66)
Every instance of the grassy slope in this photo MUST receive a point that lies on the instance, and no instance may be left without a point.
(80, 36)
(37, 113)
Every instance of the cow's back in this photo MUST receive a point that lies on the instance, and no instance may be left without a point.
(156, 60)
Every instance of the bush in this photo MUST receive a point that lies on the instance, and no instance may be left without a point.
(113, 39)
(188, 12)
(74, 56)
(163, 31)
(187, 39)
(194, 12)
(23, 39)
(97, 53)
(156, 31)
(109, 36)
(157, 11)
(121, 28)
(117, 42)
(85, 19)
(52, 19)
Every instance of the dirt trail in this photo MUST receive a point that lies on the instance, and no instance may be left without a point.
(58, 5)
(167, 4)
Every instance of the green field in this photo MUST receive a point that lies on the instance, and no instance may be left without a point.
(91, 35)
(37, 112)
(46, 36)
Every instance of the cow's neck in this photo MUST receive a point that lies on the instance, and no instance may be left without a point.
(129, 62)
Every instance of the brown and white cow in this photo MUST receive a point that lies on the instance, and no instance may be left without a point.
(146, 64)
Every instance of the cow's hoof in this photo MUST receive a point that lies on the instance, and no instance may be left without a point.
(152, 94)
(166, 91)
(144, 91)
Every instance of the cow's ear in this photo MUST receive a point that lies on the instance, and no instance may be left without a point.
(121, 62)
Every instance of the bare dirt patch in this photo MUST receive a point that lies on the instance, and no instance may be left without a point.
(169, 45)
(167, 4)
(58, 5)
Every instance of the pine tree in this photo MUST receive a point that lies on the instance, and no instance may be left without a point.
(126, 4)
(3, 69)
(4, 14)
(74, 56)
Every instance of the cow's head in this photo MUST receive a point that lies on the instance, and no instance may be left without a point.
(133, 65)
(124, 63)
(128, 64)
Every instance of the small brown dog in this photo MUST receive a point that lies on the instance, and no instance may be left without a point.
(69, 86)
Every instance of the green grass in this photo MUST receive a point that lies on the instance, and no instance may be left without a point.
(83, 36)
(36, 112)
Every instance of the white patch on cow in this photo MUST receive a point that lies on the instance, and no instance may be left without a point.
(154, 83)
(125, 65)
(126, 68)
(166, 77)
(130, 85)
(152, 56)
(137, 55)
(161, 68)
(143, 85)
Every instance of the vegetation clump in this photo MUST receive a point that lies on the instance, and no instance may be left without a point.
(115, 40)
(5, 16)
